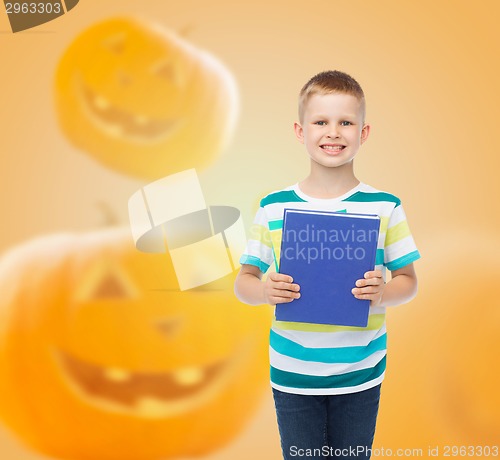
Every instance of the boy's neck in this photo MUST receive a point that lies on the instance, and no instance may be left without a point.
(329, 182)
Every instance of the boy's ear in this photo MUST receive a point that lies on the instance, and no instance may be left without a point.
(299, 132)
(365, 131)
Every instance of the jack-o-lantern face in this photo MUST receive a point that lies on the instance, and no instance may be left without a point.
(101, 355)
(142, 100)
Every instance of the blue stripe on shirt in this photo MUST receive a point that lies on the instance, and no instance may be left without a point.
(292, 349)
(350, 379)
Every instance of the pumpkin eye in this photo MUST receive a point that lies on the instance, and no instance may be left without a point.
(169, 326)
(110, 287)
(166, 69)
(106, 281)
(115, 44)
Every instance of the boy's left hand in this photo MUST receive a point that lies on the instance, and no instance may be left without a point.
(371, 288)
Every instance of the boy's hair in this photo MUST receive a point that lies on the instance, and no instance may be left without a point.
(329, 82)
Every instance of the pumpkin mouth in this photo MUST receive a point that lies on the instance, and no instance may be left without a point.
(121, 124)
(147, 394)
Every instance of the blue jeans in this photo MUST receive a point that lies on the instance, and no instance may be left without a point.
(327, 426)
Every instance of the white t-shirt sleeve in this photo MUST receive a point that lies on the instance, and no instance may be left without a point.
(259, 250)
(399, 248)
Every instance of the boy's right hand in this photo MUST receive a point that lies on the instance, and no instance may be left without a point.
(278, 288)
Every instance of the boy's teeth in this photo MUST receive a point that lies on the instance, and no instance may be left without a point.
(331, 147)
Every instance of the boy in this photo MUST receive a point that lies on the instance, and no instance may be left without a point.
(326, 379)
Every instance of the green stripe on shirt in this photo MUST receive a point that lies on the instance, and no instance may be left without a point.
(292, 349)
(275, 224)
(403, 261)
(252, 260)
(350, 379)
(376, 196)
(379, 258)
(281, 197)
(278, 224)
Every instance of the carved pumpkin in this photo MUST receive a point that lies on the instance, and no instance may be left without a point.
(442, 382)
(143, 101)
(101, 356)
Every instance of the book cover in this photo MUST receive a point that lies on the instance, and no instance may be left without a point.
(325, 253)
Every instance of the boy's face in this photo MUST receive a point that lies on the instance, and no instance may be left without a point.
(332, 129)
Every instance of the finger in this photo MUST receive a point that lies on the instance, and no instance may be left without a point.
(280, 298)
(373, 274)
(285, 293)
(294, 287)
(365, 296)
(369, 282)
(282, 286)
(365, 290)
(285, 286)
(280, 277)
(276, 300)
(290, 287)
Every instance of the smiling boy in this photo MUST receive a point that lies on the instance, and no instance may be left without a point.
(326, 379)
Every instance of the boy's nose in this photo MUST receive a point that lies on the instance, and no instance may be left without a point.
(333, 132)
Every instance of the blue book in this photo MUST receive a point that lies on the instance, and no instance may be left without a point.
(325, 253)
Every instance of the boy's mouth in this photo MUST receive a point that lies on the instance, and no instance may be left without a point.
(332, 149)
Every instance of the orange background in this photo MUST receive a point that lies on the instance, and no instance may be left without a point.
(430, 74)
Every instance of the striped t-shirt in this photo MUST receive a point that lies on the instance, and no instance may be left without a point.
(309, 358)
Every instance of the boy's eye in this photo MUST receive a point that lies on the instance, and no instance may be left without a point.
(321, 123)
(348, 123)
